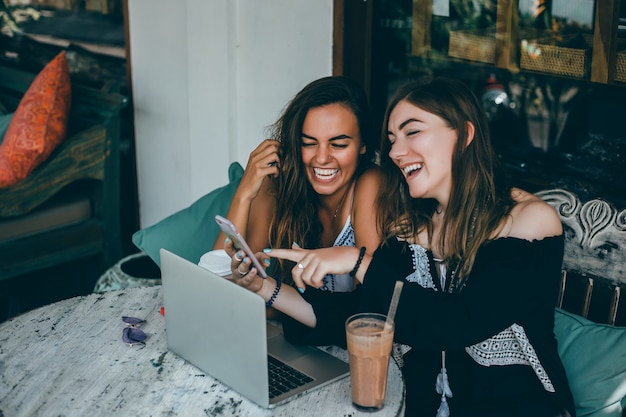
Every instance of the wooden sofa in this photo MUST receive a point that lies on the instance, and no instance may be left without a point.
(593, 279)
(68, 207)
(593, 282)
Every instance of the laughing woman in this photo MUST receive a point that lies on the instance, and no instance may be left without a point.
(314, 182)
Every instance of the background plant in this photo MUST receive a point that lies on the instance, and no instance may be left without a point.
(12, 15)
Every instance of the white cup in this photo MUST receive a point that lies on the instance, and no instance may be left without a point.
(216, 261)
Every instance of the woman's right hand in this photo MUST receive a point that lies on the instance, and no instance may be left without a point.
(263, 161)
(253, 204)
(312, 265)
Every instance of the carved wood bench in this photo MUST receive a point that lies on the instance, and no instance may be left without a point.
(593, 279)
(593, 282)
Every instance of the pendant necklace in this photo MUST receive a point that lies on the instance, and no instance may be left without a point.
(341, 202)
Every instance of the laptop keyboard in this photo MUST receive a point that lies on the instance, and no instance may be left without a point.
(283, 378)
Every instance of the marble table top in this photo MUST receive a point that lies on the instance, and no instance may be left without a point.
(68, 359)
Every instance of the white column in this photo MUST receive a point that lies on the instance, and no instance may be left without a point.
(208, 78)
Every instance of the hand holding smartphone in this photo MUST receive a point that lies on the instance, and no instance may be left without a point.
(239, 242)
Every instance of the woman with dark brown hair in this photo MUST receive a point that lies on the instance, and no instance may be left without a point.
(314, 182)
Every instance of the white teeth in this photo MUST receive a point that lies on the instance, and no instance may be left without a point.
(411, 168)
(325, 172)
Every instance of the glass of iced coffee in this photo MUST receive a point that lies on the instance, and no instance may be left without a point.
(369, 338)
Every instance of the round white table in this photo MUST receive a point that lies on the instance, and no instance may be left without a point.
(68, 359)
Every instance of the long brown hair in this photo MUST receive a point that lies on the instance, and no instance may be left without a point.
(296, 217)
(480, 196)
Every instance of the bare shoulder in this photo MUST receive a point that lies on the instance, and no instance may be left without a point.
(370, 180)
(532, 218)
(366, 188)
(366, 230)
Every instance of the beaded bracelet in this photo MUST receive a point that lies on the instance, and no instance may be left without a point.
(358, 262)
(274, 294)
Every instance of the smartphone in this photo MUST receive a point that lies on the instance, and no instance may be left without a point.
(239, 242)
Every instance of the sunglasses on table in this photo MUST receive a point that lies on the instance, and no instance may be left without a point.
(132, 334)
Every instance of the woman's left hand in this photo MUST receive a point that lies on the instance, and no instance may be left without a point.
(242, 271)
(313, 264)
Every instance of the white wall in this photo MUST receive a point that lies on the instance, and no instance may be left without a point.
(208, 77)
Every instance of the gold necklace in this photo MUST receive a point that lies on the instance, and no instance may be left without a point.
(341, 202)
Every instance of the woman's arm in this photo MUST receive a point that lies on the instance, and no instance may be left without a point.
(253, 203)
(512, 281)
(284, 298)
(316, 317)
(288, 301)
(313, 264)
(364, 221)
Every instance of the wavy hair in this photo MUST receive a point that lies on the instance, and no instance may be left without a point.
(296, 215)
(480, 196)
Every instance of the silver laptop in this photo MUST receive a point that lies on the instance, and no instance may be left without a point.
(220, 328)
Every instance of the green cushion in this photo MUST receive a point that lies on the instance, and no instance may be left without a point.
(594, 356)
(5, 119)
(191, 232)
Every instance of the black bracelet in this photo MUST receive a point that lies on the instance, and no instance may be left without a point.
(274, 294)
(358, 262)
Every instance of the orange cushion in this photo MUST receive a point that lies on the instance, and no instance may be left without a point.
(39, 123)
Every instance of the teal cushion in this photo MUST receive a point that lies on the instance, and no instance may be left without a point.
(191, 232)
(5, 119)
(594, 357)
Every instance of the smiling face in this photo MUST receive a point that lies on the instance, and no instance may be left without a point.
(422, 145)
(331, 145)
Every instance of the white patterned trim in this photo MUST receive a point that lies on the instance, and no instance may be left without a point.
(510, 347)
(421, 275)
(341, 282)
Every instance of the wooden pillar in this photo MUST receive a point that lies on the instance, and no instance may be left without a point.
(352, 39)
(420, 30)
(507, 35)
(605, 41)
